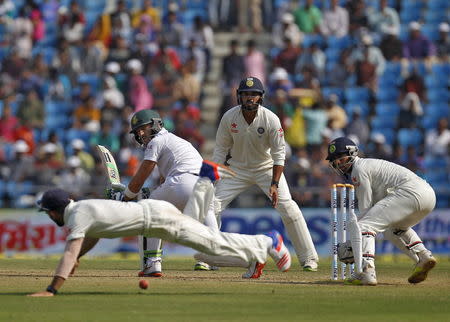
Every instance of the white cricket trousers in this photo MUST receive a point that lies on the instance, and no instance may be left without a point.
(165, 221)
(395, 214)
(176, 190)
(229, 188)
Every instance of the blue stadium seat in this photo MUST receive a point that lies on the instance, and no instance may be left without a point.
(92, 79)
(431, 31)
(392, 68)
(387, 109)
(431, 81)
(389, 80)
(438, 95)
(339, 43)
(435, 16)
(327, 91)
(383, 122)
(437, 4)
(309, 39)
(435, 162)
(387, 94)
(437, 110)
(410, 14)
(407, 137)
(389, 134)
(363, 106)
(357, 94)
(429, 122)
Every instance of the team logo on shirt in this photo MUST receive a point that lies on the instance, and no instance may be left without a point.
(233, 128)
(280, 132)
(355, 182)
(260, 130)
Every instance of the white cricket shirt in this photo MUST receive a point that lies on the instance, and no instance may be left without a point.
(254, 146)
(375, 178)
(173, 154)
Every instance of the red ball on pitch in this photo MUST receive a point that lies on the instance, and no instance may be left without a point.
(143, 284)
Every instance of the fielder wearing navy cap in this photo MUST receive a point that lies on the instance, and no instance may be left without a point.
(250, 85)
(53, 199)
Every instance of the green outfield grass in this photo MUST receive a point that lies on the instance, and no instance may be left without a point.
(107, 290)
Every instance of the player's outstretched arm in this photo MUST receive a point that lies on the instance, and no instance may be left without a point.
(136, 183)
(64, 268)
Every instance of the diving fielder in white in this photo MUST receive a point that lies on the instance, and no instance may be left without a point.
(89, 220)
(179, 164)
(250, 140)
(391, 199)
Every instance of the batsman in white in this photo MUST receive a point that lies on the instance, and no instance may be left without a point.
(250, 140)
(91, 219)
(179, 164)
(391, 199)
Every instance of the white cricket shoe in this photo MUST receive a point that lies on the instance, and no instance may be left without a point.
(310, 265)
(254, 271)
(152, 269)
(425, 264)
(215, 171)
(279, 252)
(367, 277)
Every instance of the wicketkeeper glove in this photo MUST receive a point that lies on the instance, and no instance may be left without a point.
(345, 252)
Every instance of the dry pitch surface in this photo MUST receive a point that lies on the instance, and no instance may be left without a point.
(107, 290)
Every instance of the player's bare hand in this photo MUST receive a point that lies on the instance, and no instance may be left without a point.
(41, 294)
(273, 192)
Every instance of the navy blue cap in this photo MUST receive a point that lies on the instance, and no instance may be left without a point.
(53, 199)
(251, 84)
(341, 146)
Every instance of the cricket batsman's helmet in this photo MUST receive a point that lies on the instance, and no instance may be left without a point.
(144, 117)
(250, 84)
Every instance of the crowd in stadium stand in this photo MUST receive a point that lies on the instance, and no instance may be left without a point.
(73, 72)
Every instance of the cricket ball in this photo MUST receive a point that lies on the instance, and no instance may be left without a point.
(143, 284)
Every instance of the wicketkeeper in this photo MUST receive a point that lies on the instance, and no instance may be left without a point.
(391, 200)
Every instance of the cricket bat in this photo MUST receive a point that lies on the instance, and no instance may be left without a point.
(111, 168)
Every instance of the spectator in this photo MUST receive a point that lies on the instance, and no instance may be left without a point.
(47, 166)
(13, 65)
(101, 31)
(308, 80)
(147, 30)
(72, 22)
(286, 28)
(417, 46)
(87, 114)
(233, 66)
(204, 36)
(377, 147)
(282, 107)
(172, 31)
(308, 18)
(67, 63)
(383, 19)
(314, 58)
(414, 160)
(112, 94)
(335, 21)
(92, 57)
(120, 51)
(254, 62)
(86, 159)
(437, 141)
(59, 152)
(316, 121)
(24, 131)
(74, 179)
(138, 94)
(342, 72)
(121, 19)
(38, 25)
(443, 43)
(279, 80)
(391, 46)
(165, 58)
(22, 167)
(194, 52)
(358, 127)
(150, 11)
(288, 56)
(106, 138)
(370, 53)
(162, 89)
(250, 8)
(337, 117)
(31, 110)
(358, 18)
(412, 92)
(8, 123)
(187, 87)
